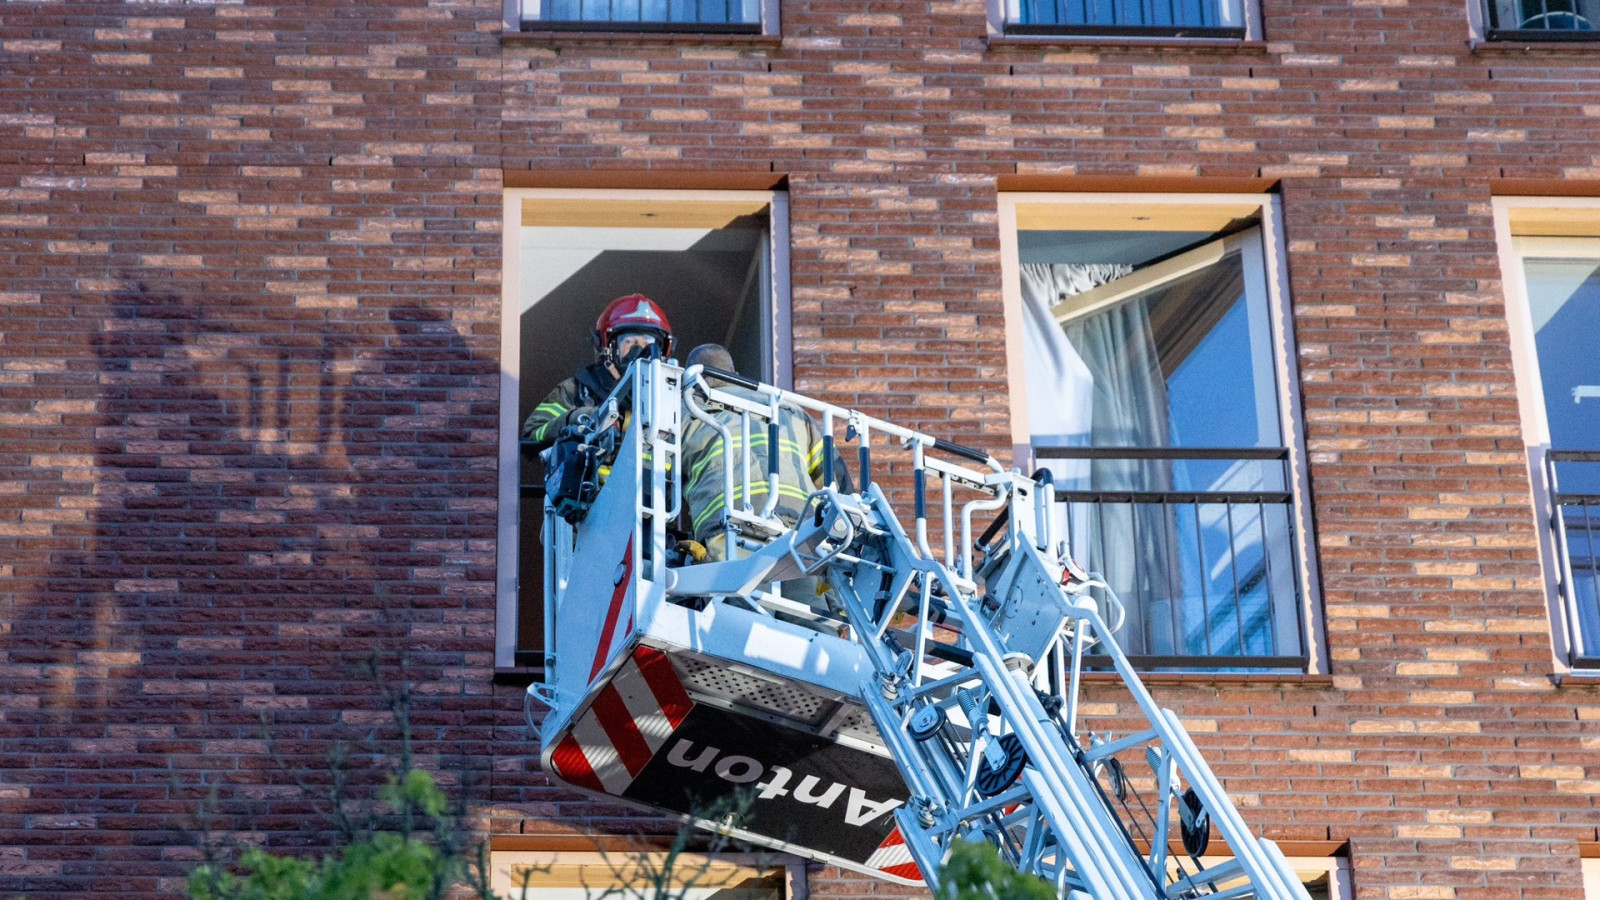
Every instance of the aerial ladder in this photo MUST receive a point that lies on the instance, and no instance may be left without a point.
(930, 692)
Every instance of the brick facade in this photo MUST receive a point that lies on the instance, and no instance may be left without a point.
(249, 385)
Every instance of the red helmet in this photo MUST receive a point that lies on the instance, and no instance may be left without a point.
(634, 312)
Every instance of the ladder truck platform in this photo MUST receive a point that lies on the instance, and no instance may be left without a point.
(924, 687)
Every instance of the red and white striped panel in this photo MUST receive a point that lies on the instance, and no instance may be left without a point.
(629, 720)
(893, 857)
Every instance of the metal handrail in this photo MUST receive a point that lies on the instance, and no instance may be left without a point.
(1272, 453)
(1585, 647)
(1195, 499)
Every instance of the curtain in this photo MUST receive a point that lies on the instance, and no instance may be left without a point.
(1097, 381)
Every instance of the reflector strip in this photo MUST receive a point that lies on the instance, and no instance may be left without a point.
(643, 711)
(601, 754)
(664, 684)
(569, 762)
(893, 857)
(627, 723)
(617, 721)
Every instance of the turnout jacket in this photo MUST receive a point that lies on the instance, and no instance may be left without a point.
(586, 388)
(800, 469)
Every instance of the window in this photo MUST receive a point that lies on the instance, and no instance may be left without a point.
(560, 875)
(1550, 257)
(1152, 371)
(699, 16)
(1325, 877)
(715, 261)
(1591, 879)
(1220, 19)
(1543, 20)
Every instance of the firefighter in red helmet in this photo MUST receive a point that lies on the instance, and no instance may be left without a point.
(630, 328)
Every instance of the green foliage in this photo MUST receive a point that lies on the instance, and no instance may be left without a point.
(382, 865)
(409, 840)
(975, 871)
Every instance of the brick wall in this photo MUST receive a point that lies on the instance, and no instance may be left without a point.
(248, 381)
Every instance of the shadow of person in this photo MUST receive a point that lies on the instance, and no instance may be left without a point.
(268, 501)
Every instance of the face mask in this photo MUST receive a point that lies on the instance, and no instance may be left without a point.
(648, 351)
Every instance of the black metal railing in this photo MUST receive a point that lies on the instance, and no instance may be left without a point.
(1209, 577)
(530, 557)
(1575, 519)
(728, 16)
(1131, 18)
(1543, 20)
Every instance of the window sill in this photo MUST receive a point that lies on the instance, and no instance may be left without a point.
(562, 36)
(1088, 42)
(1282, 679)
(1577, 678)
(518, 676)
(1538, 48)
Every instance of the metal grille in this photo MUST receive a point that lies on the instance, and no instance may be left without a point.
(1575, 520)
(1543, 19)
(718, 680)
(1184, 18)
(646, 15)
(1209, 577)
(858, 724)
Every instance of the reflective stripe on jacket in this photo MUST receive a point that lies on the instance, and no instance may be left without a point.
(706, 458)
(544, 424)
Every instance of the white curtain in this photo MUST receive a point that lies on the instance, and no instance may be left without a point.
(1097, 381)
(1060, 385)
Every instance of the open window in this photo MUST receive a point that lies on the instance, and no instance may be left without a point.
(1550, 257)
(716, 263)
(1151, 366)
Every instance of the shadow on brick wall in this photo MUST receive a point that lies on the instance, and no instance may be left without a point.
(271, 495)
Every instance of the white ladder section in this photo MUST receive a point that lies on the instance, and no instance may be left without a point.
(977, 652)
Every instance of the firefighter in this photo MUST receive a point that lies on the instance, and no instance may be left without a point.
(800, 469)
(630, 328)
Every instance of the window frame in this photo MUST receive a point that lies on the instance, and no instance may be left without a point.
(792, 868)
(515, 19)
(1001, 26)
(1309, 868)
(1284, 362)
(1483, 17)
(1564, 640)
(778, 301)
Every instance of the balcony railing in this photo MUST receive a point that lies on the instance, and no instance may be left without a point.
(1127, 18)
(1209, 577)
(1543, 20)
(1575, 519)
(723, 16)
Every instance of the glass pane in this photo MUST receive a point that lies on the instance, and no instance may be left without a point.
(1158, 345)
(654, 12)
(1564, 301)
(1197, 579)
(1183, 362)
(1546, 15)
(1128, 13)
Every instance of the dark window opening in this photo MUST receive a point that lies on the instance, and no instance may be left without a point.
(712, 281)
